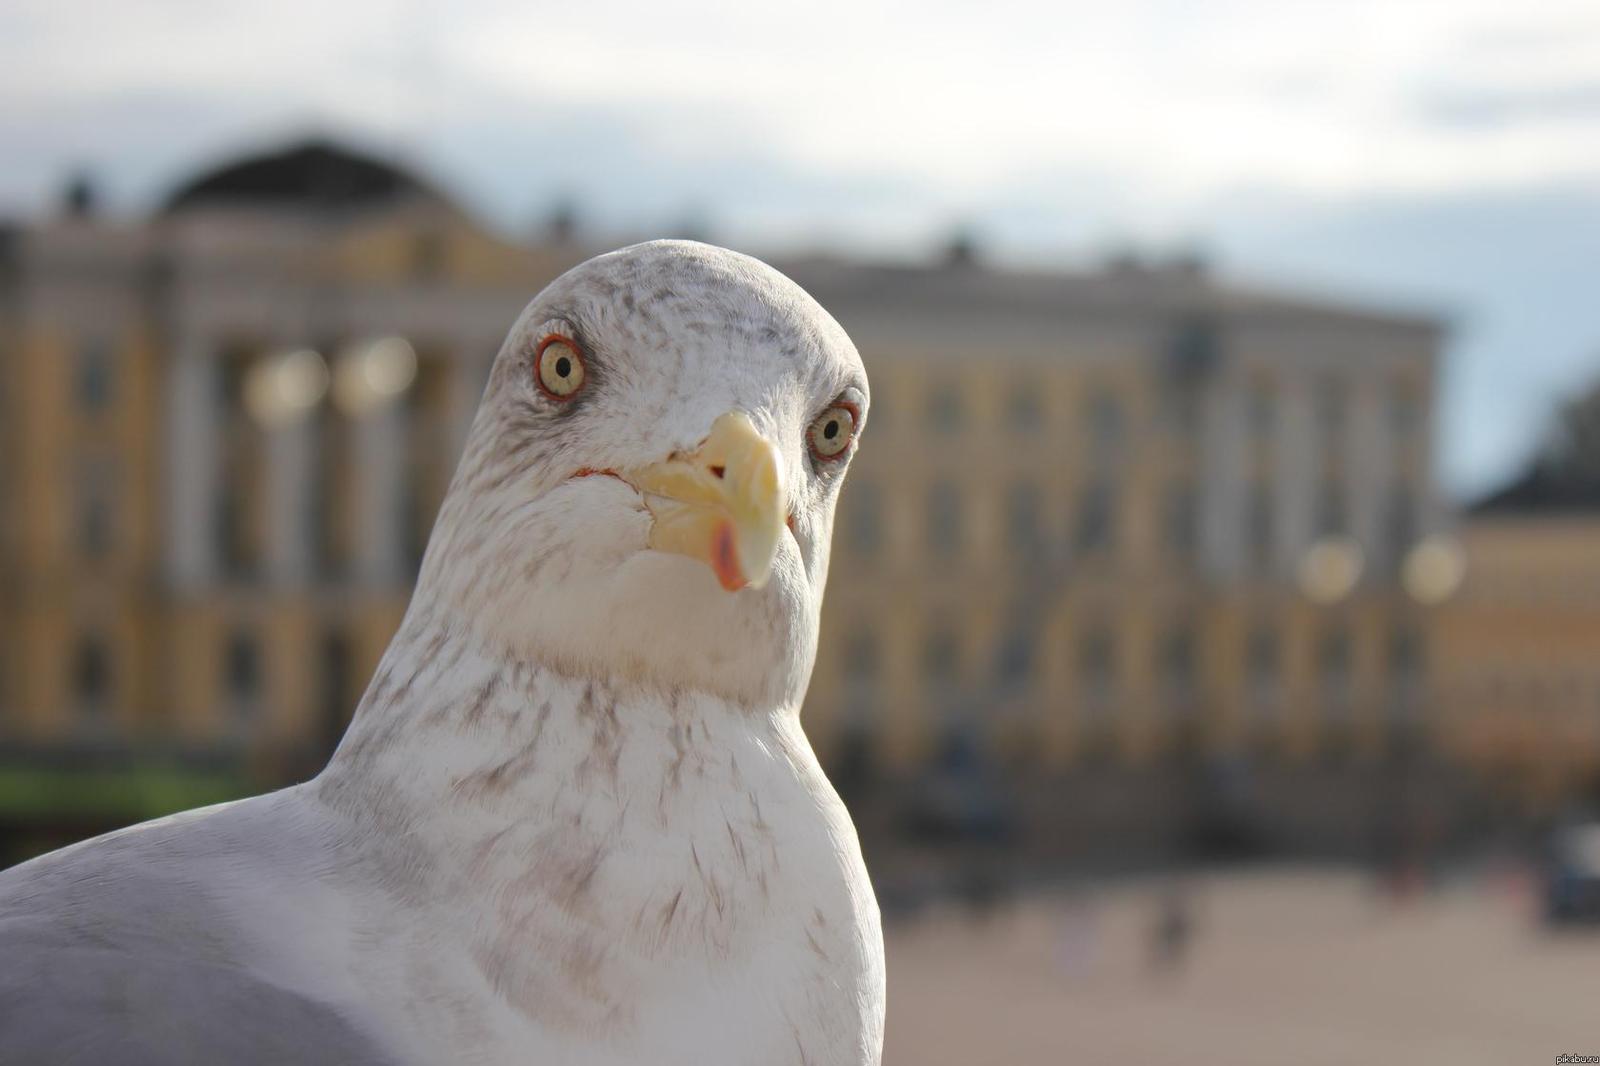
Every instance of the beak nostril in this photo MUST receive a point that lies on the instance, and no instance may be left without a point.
(718, 471)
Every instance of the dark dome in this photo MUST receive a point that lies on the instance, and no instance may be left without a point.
(1546, 491)
(317, 175)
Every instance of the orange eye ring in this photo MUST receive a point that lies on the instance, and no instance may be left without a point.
(559, 368)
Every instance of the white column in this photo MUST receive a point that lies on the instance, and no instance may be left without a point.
(194, 422)
(1224, 455)
(1297, 472)
(469, 375)
(380, 457)
(291, 453)
(1370, 462)
(1433, 515)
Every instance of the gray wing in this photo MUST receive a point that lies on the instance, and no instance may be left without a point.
(124, 950)
(65, 1002)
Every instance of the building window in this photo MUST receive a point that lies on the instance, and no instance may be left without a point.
(333, 493)
(863, 517)
(1191, 358)
(1195, 348)
(1405, 413)
(1405, 655)
(411, 531)
(1405, 669)
(1402, 520)
(1261, 666)
(233, 533)
(1014, 665)
(1105, 424)
(1262, 414)
(1331, 508)
(859, 667)
(1094, 528)
(91, 673)
(94, 373)
(431, 446)
(1023, 524)
(1333, 667)
(1181, 410)
(239, 502)
(1178, 661)
(1182, 520)
(243, 670)
(1025, 407)
(1097, 654)
(95, 536)
(1331, 406)
(940, 654)
(1261, 526)
(944, 519)
(945, 410)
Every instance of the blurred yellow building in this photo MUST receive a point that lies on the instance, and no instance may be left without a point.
(1098, 518)
(1118, 515)
(227, 429)
(1519, 677)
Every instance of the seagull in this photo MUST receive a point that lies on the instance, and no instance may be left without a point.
(575, 819)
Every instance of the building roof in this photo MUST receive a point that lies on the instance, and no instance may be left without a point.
(1563, 478)
(1184, 289)
(310, 175)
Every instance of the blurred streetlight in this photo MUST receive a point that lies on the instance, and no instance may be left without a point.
(1434, 570)
(1330, 569)
(373, 374)
(281, 388)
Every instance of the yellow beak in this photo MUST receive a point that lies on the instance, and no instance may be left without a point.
(723, 505)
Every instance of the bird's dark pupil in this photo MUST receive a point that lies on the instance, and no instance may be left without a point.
(831, 430)
(563, 367)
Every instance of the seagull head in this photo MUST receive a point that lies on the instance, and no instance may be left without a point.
(648, 488)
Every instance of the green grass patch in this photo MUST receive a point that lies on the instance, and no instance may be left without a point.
(123, 794)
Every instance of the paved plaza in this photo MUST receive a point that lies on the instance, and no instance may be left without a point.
(1286, 967)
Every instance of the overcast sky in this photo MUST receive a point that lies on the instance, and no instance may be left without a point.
(1444, 156)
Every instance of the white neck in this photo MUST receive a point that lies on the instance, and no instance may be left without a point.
(467, 733)
(592, 849)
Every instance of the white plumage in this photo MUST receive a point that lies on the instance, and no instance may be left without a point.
(575, 819)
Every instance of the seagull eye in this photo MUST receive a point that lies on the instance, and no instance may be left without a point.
(558, 367)
(832, 432)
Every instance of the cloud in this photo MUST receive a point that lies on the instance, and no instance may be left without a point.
(1436, 148)
(1490, 108)
(1187, 100)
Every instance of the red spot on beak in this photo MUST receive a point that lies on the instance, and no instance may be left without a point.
(725, 558)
